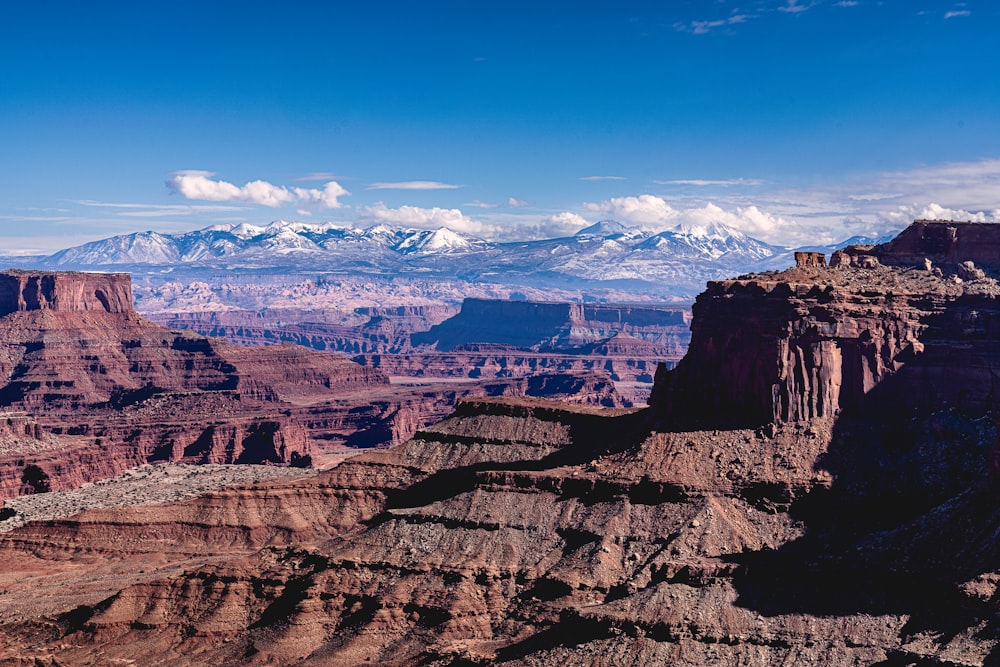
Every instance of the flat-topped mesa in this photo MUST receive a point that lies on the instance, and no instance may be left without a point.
(65, 291)
(547, 325)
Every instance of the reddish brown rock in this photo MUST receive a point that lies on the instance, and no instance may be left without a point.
(65, 292)
(538, 326)
(810, 259)
(361, 331)
(851, 527)
(813, 342)
(106, 391)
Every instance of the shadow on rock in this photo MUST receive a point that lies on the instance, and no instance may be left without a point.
(910, 525)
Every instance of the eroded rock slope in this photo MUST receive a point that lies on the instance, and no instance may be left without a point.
(846, 515)
(88, 389)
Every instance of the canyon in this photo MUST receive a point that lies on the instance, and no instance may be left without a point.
(88, 389)
(484, 338)
(813, 483)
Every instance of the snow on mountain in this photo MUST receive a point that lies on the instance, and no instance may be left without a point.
(605, 228)
(243, 230)
(441, 240)
(682, 258)
(715, 242)
(139, 248)
(284, 240)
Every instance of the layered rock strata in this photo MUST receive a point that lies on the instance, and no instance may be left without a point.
(811, 526)
(814, 343)
(488, 339)
(66, 292)
(103, 390)
(360, 331)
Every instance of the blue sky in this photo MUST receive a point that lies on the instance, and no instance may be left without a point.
(795, 121)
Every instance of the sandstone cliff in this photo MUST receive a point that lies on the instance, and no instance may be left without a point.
(811, 525)
(66, 292)
(814, 342)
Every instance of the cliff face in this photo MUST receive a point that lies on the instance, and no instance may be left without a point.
(65, 292)
(363, 330)
(814, 342)
(942, 242)
(553, 326)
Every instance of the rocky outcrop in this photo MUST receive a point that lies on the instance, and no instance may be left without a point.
(814, 342)
(810, 259)
(93, 392)
(515, 532)
(624, 342)
(90, 388)
(942, 242)
(65, 292)
(637, 364)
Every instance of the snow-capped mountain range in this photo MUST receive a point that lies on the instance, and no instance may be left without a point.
(279, 241)
(678, 261)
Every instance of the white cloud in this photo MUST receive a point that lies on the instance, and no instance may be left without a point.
(704, 27)
(423, 218)
(512, 202)
(904, 215)
(644, 209)
(200, 185)
(160, 209)
(565, 222)
(601, 178)
(846, 3)
(527, 227)
(655, 214)
(959, 12)
(968, 185)
(414, 185)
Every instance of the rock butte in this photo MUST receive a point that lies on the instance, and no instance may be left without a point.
(811, 485)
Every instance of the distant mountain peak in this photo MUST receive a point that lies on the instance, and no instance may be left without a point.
(605, 228)
(440, 240)
(711, 230)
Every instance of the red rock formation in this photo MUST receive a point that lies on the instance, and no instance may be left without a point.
(107, 390)
(361, 331)
(811, 343)
(65, 292)
(943, 242)
(810, 259)
(844, 528)
(636, 363)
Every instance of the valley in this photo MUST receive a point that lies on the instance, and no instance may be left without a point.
(825, 496)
